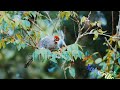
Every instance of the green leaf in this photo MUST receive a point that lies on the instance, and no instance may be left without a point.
(19, 47)
(33, 13)
(77, 53)
(25, 24)
(81, 54)
(72, 47)
(72, 72)
(87, 53)
(36, 54)
(23, 45)
(103, 65)
(95, 35)
(54, 56)
(97, 61)
(116, 68)
(119, 61)
(66, 56)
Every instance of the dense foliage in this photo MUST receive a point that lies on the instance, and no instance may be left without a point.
(22, 30)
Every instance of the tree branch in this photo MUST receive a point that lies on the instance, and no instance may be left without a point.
(35, 24)
(110, 45)
(30, 38)
(80, 29)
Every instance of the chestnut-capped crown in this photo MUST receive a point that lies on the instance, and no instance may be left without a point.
(56, 38)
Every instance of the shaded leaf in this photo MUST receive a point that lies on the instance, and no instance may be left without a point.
(72, 72)
(119, 61)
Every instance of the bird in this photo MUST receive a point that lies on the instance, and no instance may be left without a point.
(51, 42)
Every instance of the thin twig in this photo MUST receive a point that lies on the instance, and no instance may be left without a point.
(30, 37)
(65, 73)
(110, 45)
(35, 24)
(80, 29)
(50, 20)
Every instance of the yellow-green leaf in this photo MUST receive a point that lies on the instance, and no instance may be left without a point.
(89, 61)
(0, 45)
(83, 19)
(99, 24)
(119, 44)
(3, 43)
(95, 35)
(67, 14)
(19, 36)
(101, 32)
(62, 14)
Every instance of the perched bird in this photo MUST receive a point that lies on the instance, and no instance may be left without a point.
(49, 42)
(53, 43)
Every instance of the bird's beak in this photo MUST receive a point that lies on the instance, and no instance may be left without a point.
(56, 42)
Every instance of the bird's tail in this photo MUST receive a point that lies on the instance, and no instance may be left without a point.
(61, 34)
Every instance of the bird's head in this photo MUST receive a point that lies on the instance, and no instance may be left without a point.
(56, 39)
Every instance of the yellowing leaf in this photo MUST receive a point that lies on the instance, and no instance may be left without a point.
(2, 43)
(89, 61)
(26, 13)
(2, 13)
(62, 14)
(67, 14)
(12, 40)
(19, 36)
